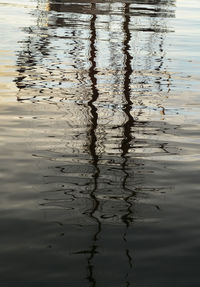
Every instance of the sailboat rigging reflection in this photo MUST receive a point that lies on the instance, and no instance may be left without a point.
(92, 148)
(104, 154)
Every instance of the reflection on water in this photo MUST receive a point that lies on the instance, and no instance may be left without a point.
(109, 86)
(97, 147)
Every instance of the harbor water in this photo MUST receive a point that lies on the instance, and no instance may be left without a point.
(100, 141)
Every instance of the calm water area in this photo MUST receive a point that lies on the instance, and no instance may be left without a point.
(99, 143)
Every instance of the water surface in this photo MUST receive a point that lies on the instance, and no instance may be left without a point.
(99, 143)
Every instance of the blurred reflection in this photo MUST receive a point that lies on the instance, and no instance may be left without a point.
(127, 133)
(103, 66)
(92, 147)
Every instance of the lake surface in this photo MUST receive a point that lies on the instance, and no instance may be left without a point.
(100, 140)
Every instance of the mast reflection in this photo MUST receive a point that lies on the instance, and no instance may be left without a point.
(77, 78)
(126, 142)
(92, 147)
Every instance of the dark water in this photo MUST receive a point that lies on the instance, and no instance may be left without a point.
(99, 134)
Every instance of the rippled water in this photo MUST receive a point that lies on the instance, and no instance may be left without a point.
(99, 143)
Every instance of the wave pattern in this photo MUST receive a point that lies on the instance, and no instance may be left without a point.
(98, 95)
(104, 64)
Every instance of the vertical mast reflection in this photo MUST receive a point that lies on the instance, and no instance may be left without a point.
(92, 146)
(126, 142)
(127, 136)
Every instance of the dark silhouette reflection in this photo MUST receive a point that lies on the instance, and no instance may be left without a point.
(127, 132)
(104, 98)
(92, 148)
(127, 107)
